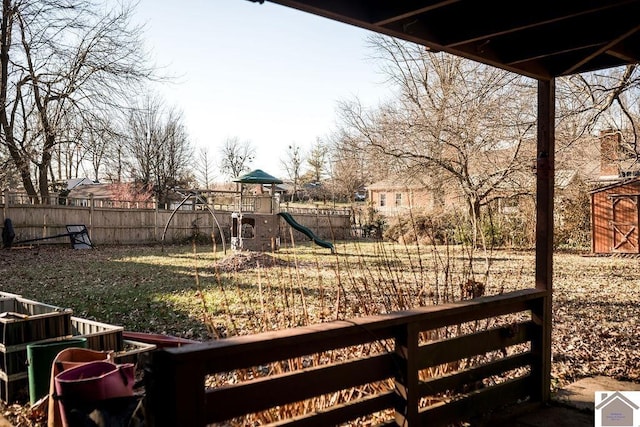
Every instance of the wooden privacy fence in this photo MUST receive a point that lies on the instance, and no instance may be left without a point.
(428, 366)
(131, 224)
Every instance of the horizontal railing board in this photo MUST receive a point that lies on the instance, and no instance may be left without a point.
(256, 349)
(342, 413)
(175, 377)
(477, 403)
(229, 401)
(483, 308)
(478, 343)
(447, 382)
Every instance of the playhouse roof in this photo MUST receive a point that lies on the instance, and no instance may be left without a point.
(258, 177)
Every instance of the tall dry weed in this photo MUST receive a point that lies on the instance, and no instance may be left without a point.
(360, 278)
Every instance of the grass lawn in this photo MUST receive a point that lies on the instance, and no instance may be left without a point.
(196, 293)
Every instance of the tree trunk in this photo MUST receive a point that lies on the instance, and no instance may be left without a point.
(22, 164)
(43, 171)
(474, 218)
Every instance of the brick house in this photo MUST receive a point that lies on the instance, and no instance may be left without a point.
(595, 162)
(396, 196)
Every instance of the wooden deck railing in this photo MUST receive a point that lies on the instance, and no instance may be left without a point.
(428, 366)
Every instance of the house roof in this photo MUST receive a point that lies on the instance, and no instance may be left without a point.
(402, 184)
(564, 177)
(541, 39)
(97, 191)
(76, 182)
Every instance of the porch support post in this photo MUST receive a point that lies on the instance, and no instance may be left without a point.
(174, 390)
(545, 170)
(407, 376)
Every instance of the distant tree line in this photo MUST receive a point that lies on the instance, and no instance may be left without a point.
(76, 99)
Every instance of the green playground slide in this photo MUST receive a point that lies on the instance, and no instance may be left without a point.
(301, 228)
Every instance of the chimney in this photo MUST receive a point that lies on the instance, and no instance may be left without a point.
(609, 153)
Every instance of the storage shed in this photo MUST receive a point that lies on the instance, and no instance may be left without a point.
(615, 216)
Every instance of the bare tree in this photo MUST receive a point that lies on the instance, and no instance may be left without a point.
(292, 164)
(159, 148)
(346, 176)
(451, 118)
(204, 167)
(116, 162)
(347, 166)
(236, 157)
(83, 149)
(100, 143)
(61, 60)
(595, 101)
(317, 160)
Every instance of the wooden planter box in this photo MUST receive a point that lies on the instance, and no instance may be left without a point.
(100, 336)
(132, 351)
(14, 388)
(105, 337)
(24, 321)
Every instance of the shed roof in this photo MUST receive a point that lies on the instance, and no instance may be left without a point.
(616, 184)
(536, 38)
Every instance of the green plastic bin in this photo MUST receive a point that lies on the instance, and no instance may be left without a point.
(40, 357)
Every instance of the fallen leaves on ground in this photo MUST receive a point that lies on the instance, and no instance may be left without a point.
(596, 307)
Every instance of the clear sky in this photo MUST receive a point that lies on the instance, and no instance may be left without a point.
(264, 73)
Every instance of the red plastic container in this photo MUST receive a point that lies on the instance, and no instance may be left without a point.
(93, 383)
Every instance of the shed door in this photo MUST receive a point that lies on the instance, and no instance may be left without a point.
(625, 224)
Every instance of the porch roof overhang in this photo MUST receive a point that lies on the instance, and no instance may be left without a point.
(540, 39)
